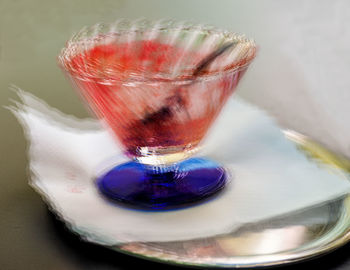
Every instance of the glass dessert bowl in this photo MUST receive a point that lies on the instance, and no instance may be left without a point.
(158, 86)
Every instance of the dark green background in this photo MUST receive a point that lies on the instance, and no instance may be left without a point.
(32, 33)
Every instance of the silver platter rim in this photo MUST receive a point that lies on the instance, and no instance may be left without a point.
(338, 236)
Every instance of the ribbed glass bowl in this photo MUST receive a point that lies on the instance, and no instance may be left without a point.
(140, 78)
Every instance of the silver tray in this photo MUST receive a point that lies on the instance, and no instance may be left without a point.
(278, 241)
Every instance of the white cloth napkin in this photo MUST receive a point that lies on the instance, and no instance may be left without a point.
(270, 176)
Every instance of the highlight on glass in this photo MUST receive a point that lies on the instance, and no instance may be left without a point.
(159, 86)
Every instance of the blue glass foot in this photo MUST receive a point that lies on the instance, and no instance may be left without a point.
(154, 188)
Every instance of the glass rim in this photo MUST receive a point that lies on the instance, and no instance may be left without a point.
(123, 26)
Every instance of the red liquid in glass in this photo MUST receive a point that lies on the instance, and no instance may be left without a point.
(164, 114)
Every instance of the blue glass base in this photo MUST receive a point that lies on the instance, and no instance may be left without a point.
(153, 188)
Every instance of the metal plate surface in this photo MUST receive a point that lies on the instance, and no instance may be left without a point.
(279, 241)
(286, 239)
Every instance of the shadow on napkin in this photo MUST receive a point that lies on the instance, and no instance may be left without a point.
(271, 177)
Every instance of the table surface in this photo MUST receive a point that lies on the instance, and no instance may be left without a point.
(31, 35)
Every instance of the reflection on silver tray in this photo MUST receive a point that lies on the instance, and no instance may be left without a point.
(281, 240)
(278, 241)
